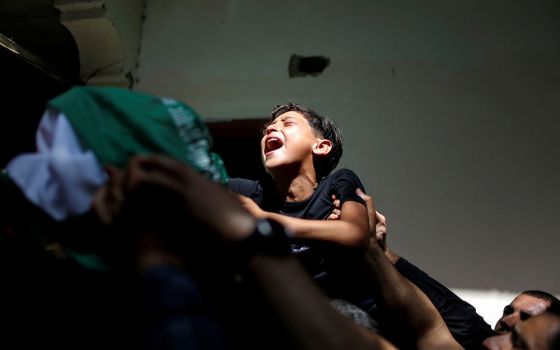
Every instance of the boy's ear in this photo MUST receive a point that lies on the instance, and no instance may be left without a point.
(322, 147)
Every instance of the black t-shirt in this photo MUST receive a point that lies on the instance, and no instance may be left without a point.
(324, 261)
(342, 183)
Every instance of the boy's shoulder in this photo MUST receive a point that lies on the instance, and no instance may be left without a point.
(342, 183)
(343, 171)
(340, 174)
(245, 187)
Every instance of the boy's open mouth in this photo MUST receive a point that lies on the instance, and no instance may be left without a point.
(272, 144)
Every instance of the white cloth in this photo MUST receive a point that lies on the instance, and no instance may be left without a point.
(61, 177)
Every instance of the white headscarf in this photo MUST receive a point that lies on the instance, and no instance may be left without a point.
(61, 177)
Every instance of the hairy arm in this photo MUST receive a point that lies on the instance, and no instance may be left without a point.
(402, 301)
(303, 309)
(466, 326)
(407, 305)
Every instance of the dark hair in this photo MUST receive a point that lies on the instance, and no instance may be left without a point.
(323, 127)
(554, 307)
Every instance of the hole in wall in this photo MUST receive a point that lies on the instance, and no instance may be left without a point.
(301, 66)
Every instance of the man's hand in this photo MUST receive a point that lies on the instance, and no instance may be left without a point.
(335, 214)
(380, 227)
(376, 220)
(202, 200)
(381, 230)
(252, 207)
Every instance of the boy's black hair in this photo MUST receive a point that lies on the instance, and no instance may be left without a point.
(323, 127)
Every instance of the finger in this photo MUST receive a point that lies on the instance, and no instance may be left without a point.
(381, 235)
(239, 196)
(381, 219)
(137, 176)
(365, 197)
(163, 169)
(162, 163)
(333, 216)
(336, 203)
(381, 230)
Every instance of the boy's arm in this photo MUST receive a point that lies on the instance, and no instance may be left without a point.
(352, 228)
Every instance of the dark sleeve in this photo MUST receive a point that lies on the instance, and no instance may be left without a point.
(344, 185)
(248, 188)
(467, 327)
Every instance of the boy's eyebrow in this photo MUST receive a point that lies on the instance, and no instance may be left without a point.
(288, 117)
(280, 118)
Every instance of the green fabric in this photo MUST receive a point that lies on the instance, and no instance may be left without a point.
(36, 230)
(117, 123)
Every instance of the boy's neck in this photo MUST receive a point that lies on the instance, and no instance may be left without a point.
(295, 187)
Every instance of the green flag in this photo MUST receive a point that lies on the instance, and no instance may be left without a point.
(117, 123)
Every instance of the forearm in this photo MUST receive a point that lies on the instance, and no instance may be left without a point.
(392, 256)
(464, 323)
(337, 231)
(302, 308)
(406, 304)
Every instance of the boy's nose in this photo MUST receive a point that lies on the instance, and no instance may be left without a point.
(271, 128)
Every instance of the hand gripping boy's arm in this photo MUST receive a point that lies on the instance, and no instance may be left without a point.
(351, 229)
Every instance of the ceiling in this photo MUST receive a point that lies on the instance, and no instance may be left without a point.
(34, 25)
(38, 60)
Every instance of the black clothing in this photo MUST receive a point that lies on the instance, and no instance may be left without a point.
(466, 326)
(328, 263)
(343, 183)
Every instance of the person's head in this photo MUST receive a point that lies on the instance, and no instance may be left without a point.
(541, 332)
(296, 134)
(87, 128)
(527, 304)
